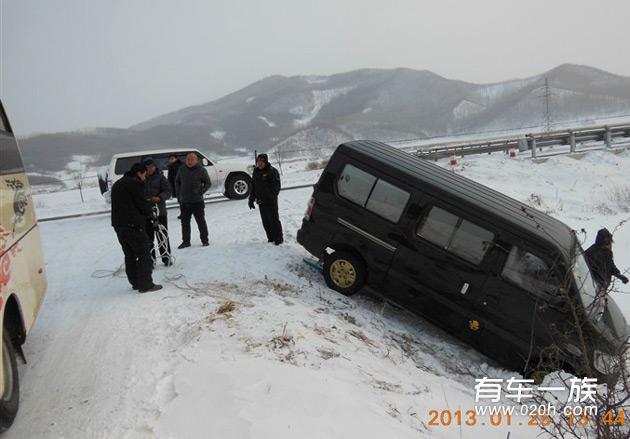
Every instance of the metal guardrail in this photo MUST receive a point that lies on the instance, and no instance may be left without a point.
(528, 142)
(209, 200)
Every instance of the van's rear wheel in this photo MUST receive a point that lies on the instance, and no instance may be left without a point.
(238, 186)
(10, 400)
(344, 272)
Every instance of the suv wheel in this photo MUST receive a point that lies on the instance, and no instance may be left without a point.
(238, 186)
(344, 272)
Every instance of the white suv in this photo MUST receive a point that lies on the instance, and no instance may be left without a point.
(229, 177)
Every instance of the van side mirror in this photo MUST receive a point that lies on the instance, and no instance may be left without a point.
(205, 162)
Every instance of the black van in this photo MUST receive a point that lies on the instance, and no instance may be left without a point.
(506, 278)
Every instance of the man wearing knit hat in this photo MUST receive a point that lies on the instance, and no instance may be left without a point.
(265, 190)
(599, 258)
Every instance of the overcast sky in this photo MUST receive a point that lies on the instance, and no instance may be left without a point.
(74, 64)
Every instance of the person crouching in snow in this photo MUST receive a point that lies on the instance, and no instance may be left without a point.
(599, 258)
(265, 190)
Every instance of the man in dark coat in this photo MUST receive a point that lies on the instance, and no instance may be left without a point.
(130, 210)
(191, 183)
(173, 167)
(599, 258)
(158, 191)
(265, 190)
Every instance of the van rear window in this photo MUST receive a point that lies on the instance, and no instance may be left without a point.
(457, 235)
(530, 272)
(376, 195)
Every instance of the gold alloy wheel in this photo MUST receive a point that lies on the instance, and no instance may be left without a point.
(343, 273)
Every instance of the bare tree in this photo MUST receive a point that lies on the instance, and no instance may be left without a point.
(611, 402)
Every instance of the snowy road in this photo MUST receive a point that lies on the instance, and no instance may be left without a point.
(254, 345)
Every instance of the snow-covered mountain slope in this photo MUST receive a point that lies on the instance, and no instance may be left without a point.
(246, 341)
(402, 103)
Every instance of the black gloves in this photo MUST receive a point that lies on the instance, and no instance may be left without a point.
(251, 204)
(623, 278)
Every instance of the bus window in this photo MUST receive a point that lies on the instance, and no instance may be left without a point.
(11, 162)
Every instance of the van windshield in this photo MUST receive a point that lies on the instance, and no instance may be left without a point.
(586, 285)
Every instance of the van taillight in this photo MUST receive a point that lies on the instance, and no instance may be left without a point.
(309, 209)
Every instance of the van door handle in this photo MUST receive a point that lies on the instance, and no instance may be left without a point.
(464, 288)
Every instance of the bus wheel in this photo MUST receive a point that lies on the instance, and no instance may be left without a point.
(11, 396)
(344, 272)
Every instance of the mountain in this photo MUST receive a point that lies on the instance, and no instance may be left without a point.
(310, 112)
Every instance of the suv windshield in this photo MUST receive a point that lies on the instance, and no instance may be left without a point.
(586, 286)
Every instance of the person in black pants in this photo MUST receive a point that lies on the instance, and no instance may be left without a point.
(265, 190)
(130, 210)
(191, 183)
(173, 168)
(158, 191)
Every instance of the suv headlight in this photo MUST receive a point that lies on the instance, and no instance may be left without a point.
(604, 363)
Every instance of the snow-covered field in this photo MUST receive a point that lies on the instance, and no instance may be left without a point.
(246, 341)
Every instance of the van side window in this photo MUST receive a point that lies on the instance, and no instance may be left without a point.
(376, 195)
(438, 227)
(355, 184)
(457, 235)
(160, 160)
(124, 164)
(530, 272)
(387, 201)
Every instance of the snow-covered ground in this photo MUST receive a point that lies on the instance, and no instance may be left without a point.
(246, 341)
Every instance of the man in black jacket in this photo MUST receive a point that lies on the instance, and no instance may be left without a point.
(599, 258)
(173, 167)
(191, 183)
(158, 191)
(265, 190)
(130, 210)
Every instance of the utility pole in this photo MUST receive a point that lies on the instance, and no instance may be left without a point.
(547, 95)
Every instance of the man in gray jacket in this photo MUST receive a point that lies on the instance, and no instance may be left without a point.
(158, 191)
(191, 183)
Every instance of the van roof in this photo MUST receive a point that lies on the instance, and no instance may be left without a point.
(152, 152)
(543, 226)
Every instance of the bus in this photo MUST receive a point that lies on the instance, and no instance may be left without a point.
(22, 272)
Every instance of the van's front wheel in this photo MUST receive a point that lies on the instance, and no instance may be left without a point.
(344, 272)
(10, 400)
